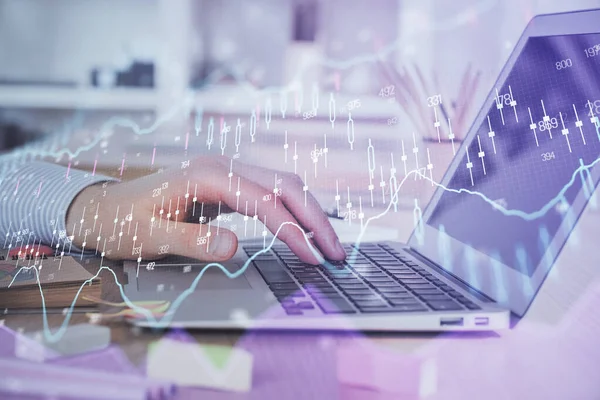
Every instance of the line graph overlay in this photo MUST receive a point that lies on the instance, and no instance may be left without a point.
(166, 319)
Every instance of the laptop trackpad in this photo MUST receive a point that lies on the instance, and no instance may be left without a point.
(178, 274)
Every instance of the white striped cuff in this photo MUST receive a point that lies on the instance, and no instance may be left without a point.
(34, 200)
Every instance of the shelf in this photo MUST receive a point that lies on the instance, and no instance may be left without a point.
(44, 97)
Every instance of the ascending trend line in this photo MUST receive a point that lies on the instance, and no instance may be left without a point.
(166, 319)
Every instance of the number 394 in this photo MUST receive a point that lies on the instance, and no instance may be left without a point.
(548, 156)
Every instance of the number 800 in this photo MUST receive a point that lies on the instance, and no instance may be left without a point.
(564, 64)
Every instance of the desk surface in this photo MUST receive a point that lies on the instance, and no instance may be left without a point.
(555, 344)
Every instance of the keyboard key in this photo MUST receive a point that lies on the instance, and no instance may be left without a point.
(372, 250)
(253, 249)
(410, 307)
(358, 261)
(386, 259)
(333, 268)
(386, 284)
(461, 299)
(305, 305)
(377, 278)
(328, 294)
(343, 282)
(326, 290)
(438, 297)
(342, 278)
(381, 280)
(312, 279)
(264, 257)
(404, 274)
(368, 270)
(318, 285)
(448, 305)
(338, 272)
(405, 295)
(293, 311)
(296, 265)
(411, 281)
(471, 306)
(362, 304)
(284, 294)
(427, 291)
(307, 273)
(415, 286)
(348, 286)
(468, 303)
(348, 279)
(372, 274)
(337, 305)
(392, 289)
(403, 302)
(396, 266)
(362, 291)
(367, 248)
(363, 297)
(281, 249)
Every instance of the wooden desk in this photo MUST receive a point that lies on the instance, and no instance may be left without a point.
(579, 278)
(132, 340)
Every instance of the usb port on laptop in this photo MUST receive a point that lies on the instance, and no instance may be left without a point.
(459, 321)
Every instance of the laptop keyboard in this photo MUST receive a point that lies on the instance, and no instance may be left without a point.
(378, 280)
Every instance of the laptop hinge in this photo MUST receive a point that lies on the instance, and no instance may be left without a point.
(456, 280)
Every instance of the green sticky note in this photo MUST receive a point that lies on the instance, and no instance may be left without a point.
(201, 365)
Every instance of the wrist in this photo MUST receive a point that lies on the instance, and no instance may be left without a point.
(81, 213)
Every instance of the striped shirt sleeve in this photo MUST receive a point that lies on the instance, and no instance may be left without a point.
(34, 200)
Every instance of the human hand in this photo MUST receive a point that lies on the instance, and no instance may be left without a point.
(168, 213)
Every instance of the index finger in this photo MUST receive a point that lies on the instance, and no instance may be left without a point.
(301, 204)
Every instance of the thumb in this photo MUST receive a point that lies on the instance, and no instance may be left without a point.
(205, 242)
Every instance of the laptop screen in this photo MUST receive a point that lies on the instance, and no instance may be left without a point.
(529, 155)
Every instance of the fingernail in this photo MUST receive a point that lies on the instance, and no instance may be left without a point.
(320, 259)
(339, 248)
(221, 246)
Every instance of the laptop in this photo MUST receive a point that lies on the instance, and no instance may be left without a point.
(482, 247)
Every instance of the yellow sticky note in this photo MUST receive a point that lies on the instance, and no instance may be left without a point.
(192, 364)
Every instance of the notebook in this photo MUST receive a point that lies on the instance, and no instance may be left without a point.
(59, 278)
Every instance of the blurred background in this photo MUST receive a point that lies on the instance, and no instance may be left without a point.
(142, 55)
(166, 67)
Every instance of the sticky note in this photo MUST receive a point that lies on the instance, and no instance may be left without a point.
(207, 366)
(366, 364)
